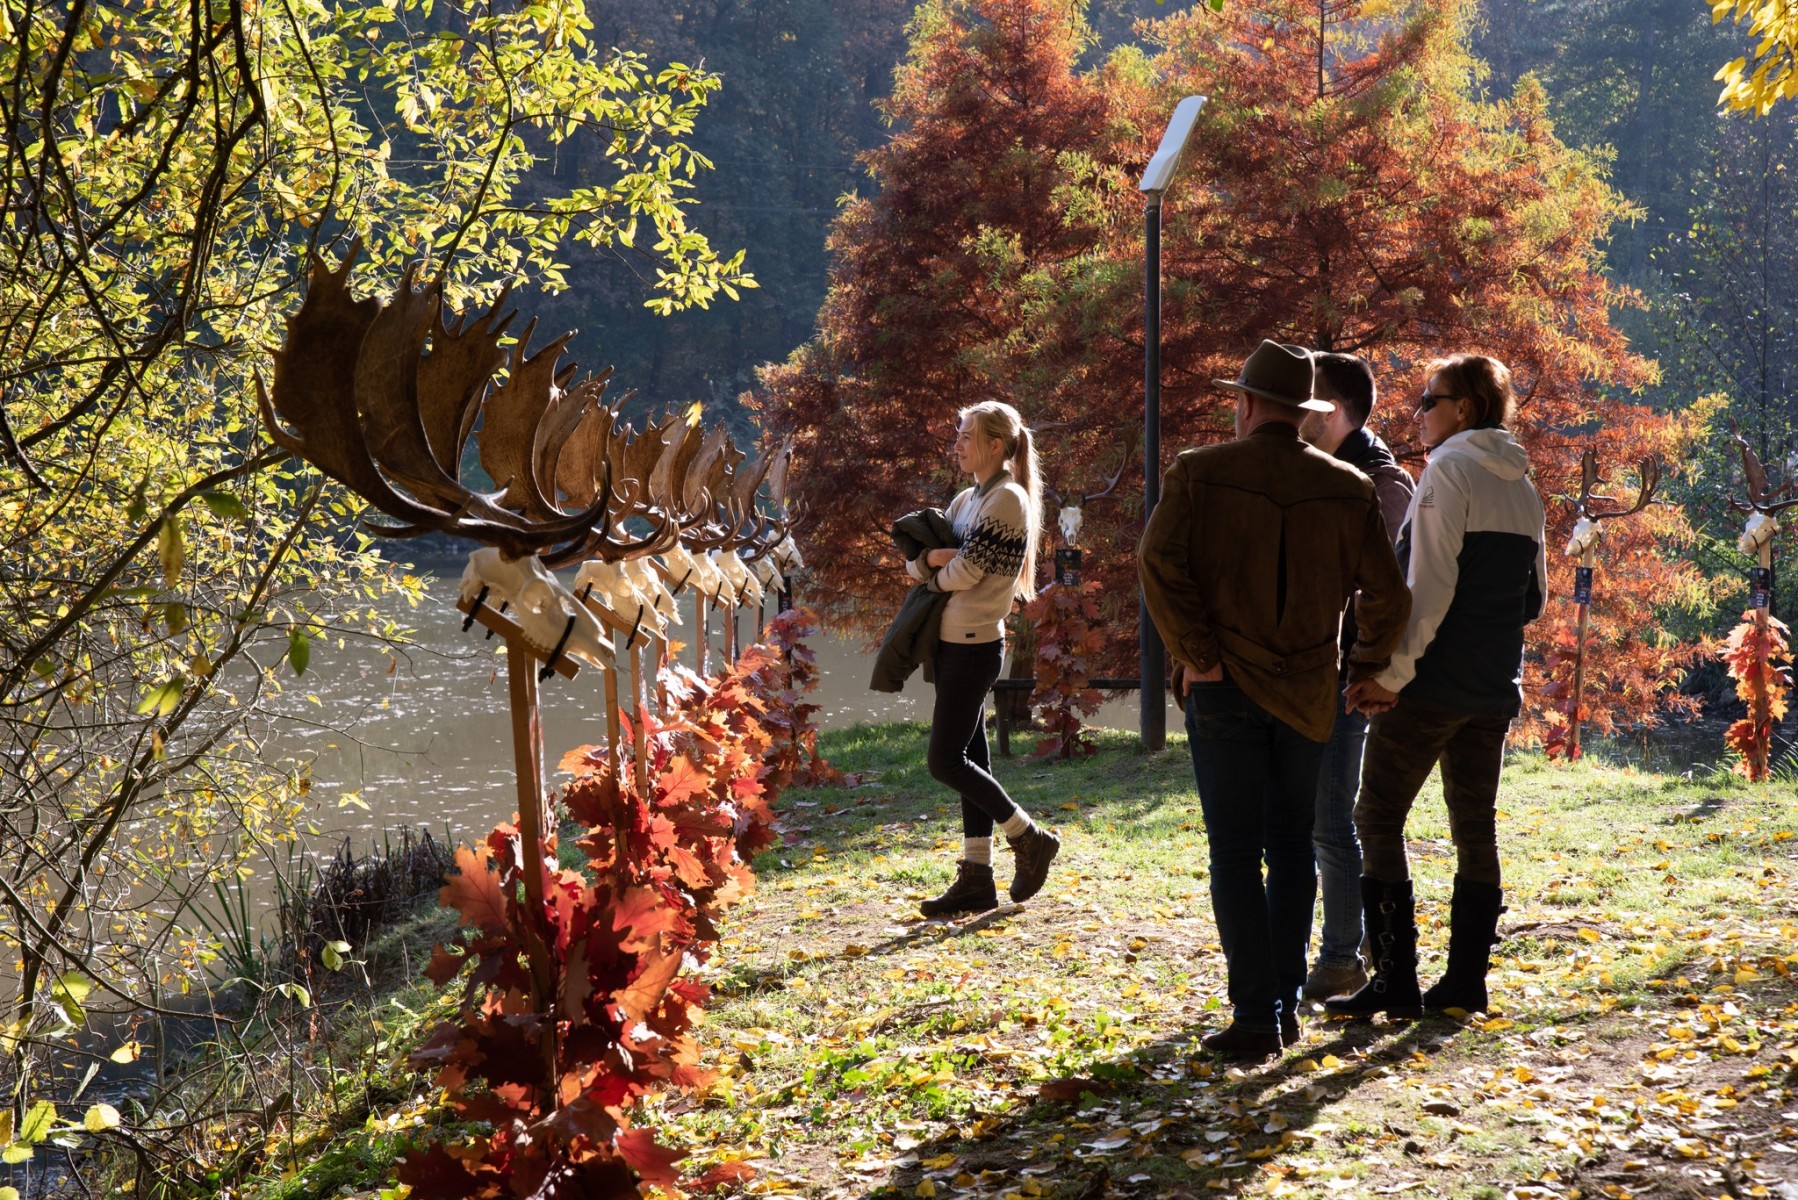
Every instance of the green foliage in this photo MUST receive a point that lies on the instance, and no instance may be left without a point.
(161, 184)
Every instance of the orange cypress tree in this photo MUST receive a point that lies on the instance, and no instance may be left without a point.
(924, 312)
(1345, 189)
(1351, 194)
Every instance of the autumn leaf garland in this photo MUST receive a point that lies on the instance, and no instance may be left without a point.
(552, 1067)
(1752, 655)
(1068, 645)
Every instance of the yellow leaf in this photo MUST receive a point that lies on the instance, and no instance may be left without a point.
(100, 1118)
(171, 550)
(1590, 935)
(939, 1162)
(127, 1053)
(926, 1190)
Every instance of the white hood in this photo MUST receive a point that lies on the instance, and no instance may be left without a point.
(1494, 449)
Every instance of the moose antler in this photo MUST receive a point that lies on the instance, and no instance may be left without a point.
(347, 398)
(1761, 495)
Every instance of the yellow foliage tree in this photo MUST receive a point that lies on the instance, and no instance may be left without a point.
(1753, 83)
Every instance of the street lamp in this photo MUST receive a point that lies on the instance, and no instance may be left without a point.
(1156, 179)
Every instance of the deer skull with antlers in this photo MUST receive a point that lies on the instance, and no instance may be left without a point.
(1588, 530)
(1763, 504)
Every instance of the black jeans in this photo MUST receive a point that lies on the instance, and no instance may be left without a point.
(1257, 780)
(1403, 744)
(958, 753)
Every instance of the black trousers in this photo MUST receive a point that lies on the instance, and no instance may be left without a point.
(958, 752)
(1403, 744)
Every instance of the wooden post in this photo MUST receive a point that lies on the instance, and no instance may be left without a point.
(702, 628)
(527, 757)
(1764, 559)
(623, 632)
(1579, 663)
(639, 735)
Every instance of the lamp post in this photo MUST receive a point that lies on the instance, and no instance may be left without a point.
(1156, 179)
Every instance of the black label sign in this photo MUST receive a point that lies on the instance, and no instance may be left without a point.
(1067, 568)
(1582, 585)
(1760, 587)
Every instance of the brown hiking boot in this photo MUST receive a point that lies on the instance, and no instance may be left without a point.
(1324, 982)
(1032, 851)
(972, 891)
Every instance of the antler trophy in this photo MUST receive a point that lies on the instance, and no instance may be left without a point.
(1757, 642)
(1762, 506)
(1588, 531)
(1072, 514)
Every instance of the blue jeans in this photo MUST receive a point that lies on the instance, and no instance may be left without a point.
(1257, 780)
(1333, 835)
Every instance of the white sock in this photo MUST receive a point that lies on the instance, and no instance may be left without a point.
(1017, 823)
(977, 850)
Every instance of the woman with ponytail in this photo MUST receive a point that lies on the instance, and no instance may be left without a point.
(998, 524)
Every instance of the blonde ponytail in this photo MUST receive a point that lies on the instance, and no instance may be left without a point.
(1029, 475)
(997, 419)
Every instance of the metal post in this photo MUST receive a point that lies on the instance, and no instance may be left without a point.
(1153, 694)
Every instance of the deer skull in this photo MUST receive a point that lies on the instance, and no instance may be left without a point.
(1069, 519)
(1757, 533)
(1587, 533)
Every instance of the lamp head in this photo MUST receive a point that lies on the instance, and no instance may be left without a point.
(1159, 175)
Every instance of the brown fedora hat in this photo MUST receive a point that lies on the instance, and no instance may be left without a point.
(1281, 373)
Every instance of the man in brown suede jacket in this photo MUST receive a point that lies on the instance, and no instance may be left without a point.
(1246, 565)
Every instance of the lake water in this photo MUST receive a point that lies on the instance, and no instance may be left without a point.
(425, 737)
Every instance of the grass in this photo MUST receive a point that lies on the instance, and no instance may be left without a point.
(1643, 1040)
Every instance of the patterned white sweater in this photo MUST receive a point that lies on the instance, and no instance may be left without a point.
(983, 576)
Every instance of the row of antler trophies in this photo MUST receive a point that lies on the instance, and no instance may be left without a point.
(1762, 506)
(1588, 531)
(385, 396)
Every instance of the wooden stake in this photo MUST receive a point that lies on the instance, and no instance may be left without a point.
(1579, 666)
(527, 758)
(703, 628)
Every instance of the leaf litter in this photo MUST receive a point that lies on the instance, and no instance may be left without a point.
(1642, 1043)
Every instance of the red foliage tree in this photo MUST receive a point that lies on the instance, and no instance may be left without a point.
(923, 314)
(1344, 189)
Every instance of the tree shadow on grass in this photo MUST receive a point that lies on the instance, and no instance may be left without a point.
(1165, 1119)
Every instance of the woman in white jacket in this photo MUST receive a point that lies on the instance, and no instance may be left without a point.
(998, 523)
(1473, 550)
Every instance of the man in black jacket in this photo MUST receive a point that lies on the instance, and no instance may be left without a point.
(1348, 382)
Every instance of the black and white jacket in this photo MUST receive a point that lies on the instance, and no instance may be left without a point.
(982, 578)
(1474, 555)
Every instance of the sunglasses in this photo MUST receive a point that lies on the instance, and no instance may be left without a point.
(1429, 400)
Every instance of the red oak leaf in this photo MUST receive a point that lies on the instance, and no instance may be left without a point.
(474, 891)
